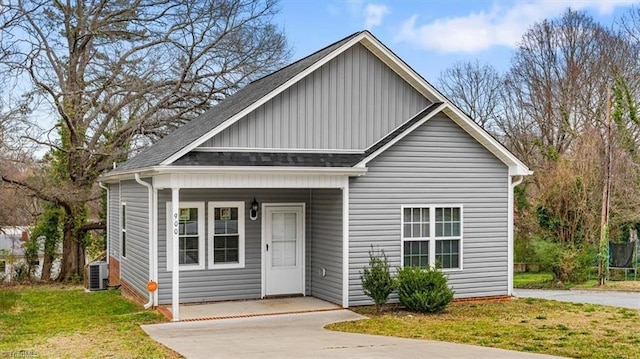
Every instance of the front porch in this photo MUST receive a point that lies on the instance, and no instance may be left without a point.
(293, 244)
(249, 308)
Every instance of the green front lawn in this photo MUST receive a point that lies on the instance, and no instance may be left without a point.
(57, 321)
(530, 280)
(545, 280)
(530, 325)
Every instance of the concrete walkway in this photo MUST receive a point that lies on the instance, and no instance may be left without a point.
(612, 298)
(304, 336)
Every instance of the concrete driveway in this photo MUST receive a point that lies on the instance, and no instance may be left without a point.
(303, 336)
(614, 299)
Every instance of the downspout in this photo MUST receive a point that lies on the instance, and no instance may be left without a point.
(155, 243)
(516, 183)
(510, 234)
(151, 231)
(107, 225)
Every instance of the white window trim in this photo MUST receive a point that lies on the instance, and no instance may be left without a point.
(201, 235)
(241, 230)
(123, 230)
(432, 234)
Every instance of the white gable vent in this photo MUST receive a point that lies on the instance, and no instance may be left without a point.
(98, 275)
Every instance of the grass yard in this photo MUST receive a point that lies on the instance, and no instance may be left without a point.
(65, 322)
(544, 280)
(530, 325)
(530, 280)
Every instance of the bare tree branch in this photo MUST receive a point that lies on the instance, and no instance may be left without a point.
(115, 75)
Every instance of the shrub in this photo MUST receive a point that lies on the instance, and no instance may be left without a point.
(567, 263)
(376, 279)
(524, 250)
(423, 290)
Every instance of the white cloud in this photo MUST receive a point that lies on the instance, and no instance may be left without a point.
(373, 15)
(502, 25)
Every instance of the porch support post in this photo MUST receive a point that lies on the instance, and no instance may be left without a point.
(345, 243)
(175, 279)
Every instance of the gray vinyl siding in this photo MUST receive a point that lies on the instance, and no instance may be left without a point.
(134, 268)
(349, 103)
(437, 164)
(225, 284)
(326, 245)
(114, 221)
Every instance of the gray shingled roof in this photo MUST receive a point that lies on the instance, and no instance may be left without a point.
(194, 129)
(268, 159)
(405, 126)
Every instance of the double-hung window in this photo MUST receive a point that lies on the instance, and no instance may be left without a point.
(226, 234)
(432, 236)
(123, 230)
(190, 231)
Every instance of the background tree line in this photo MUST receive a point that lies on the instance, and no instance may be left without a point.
(91, 82)
(567, 107)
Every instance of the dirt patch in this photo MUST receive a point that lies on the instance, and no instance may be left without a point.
(78, 345)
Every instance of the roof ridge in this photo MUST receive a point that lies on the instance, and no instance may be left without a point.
(308, 56)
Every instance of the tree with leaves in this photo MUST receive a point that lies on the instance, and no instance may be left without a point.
(112, 76)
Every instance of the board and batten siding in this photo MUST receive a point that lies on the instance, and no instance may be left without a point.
(225, 284)
(349, 103)
(437, 164)
(134, 268)
(326, 244)
(114, 220)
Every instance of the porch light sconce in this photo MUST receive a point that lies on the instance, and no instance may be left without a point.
(253, 212)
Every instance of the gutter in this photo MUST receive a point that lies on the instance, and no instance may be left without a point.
(152, 259)
(157, 170)
(107, 225)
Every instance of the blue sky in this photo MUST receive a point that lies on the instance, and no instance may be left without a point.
(431, 35)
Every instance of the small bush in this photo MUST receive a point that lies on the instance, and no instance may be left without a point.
(376, 279)
(567, 263)
(423, 290)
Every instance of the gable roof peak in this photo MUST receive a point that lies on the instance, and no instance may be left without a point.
(247, 99)
(285, 68)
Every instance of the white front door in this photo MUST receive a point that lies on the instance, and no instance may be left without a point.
(283, 238)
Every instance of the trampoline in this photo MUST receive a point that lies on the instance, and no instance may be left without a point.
(624, 256)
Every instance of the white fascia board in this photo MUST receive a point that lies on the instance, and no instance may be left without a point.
(348, 171)
(263, 100)
(516, 167)
(419, 123)
(126, 175)
(156, 170)
(403, 70)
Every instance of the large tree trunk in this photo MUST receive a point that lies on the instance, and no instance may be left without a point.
(47, 263)
(73, 248)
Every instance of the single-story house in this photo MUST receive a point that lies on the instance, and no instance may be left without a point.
(285, 186)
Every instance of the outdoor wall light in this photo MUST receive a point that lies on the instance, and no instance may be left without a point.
(253, 212)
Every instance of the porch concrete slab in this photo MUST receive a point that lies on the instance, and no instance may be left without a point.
(304, 336)
(246, 308)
